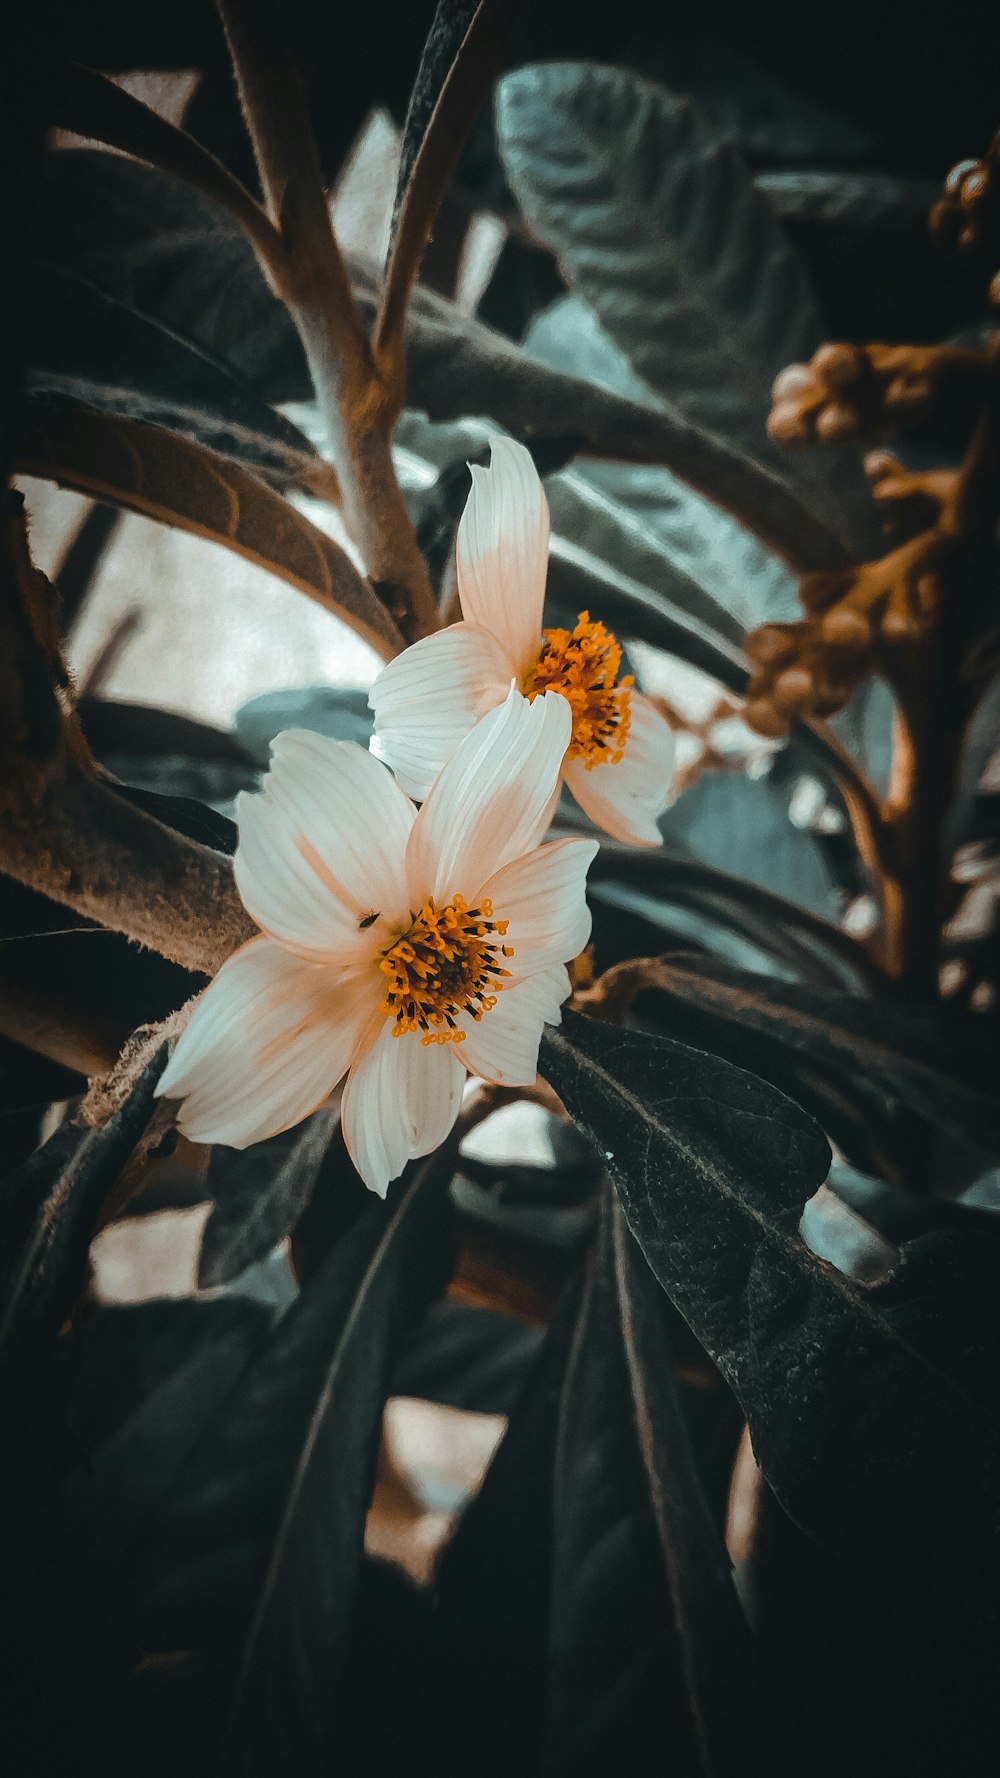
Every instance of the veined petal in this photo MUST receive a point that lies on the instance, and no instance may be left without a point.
(544, 897)
(503, 1046)
(401, 1100)
(493, 800)
(322, 847)
(268, 1040)
(502, 550)
(430, 696)
(627, 798)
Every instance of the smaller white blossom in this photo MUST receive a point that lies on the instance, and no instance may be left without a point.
(620, 754)
(404, 950)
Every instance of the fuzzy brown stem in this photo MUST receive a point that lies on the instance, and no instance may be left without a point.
(936, 697)
(84, 846)
(358, 406)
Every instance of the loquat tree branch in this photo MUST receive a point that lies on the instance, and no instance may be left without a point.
(358, 405)
(465, 88)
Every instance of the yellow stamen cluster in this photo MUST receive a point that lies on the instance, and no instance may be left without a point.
(446, 967)
(582, 665)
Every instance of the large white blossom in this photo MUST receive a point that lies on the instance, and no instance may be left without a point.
(620, 752)
(402, 949)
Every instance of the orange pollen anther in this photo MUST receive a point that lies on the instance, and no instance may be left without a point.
(445, 968)
(582, 665)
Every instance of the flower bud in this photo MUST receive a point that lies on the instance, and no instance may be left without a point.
(770, 645)
(839, 366)
(761, 716)
(794, 380)
(836, 421)
(847, 629)
(794, 689)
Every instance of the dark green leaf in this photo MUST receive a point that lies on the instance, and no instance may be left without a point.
(68, 1181)
(263, 1531)
(648, 1647)
(655, 222)
(92, 348)
(741, 826)
(467, 1358)
(494, 1584)
(258, 1195)
(702, 558)
(941, 1064)
(150, 242)
(850, 1393)
(340, 711)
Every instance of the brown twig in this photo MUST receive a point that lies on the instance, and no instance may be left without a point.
(936, 695)
(358, 405)
(465, 88)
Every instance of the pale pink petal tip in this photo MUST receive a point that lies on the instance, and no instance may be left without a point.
(502, 550)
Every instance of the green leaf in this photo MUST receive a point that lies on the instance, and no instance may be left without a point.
(648, 1645)
(90, 347)
(151, 242)
(940, 1064)
(849, 1392)
(587, 1579)
(703, 559)
(741, 826)
(656, 224)
(258, 1195)
(264, 1528)
(51, 1207)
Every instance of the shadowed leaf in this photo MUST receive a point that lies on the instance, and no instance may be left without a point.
(849, 1392)
(258, 1195)
(151, 242)
(656, 223)
(88, 347)
(941, 1065)
(51, 1206)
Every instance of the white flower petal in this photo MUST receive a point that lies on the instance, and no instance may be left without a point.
(503, 1047)
(431, 695)
(400, 1101)
(627, 799)
(544, 897)
(493, 800)
(269, 1039)
(322, 846)
(502, 551)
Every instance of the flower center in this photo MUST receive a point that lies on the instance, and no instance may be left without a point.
(446, 967)
(582, 665)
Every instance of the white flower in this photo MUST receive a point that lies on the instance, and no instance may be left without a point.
(620, 755)
(398, 948)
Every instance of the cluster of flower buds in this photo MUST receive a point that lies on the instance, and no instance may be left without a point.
(967, 217)
(856, 617)
(866, 393)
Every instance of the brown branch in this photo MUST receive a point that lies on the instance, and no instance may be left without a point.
(359, 408)
(936, 695)
(465, 88)
(82, 845)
